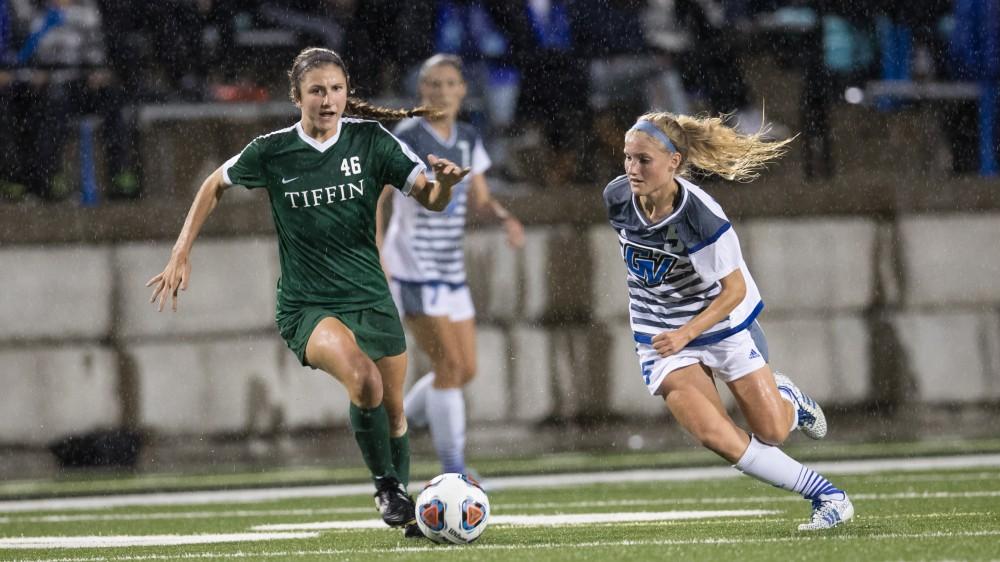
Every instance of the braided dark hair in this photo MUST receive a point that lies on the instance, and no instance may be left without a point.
(314, 57)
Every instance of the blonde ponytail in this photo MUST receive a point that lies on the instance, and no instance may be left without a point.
(711, 146)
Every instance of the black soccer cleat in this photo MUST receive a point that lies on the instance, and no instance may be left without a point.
(412, 531)
(392, 502)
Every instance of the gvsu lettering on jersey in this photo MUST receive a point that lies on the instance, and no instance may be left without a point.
(647, 264)
(325, 195)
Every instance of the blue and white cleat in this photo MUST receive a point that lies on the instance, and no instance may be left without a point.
(812, 420)
(827, 514)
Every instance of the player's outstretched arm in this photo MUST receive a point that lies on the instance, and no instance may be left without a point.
(177, 272)
(435, 195)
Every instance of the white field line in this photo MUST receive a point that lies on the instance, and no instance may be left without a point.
(751, 499)
(486, 547)
(180, 515)
(248, 513)
(500, 483)
(187, 498)
(294, 475)
(721, 472)
(936, 477)
(213, 514)
(268, 531)
(40, 486)
(168, 479)
(537, 520)
(756, 521)
(115, 541)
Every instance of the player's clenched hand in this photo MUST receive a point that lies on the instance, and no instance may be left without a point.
(174, 277)
(446, 171)
(669, 343)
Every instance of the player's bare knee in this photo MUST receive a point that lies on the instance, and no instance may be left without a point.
(449, 374)
(366, 387)
(324, 343)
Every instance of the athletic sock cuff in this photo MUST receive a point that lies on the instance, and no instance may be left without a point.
(362, 415)
(750, 455)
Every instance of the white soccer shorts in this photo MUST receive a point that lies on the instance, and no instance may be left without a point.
(433, 299)
(729, 359)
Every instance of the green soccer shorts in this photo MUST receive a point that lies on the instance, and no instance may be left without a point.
(378, 331)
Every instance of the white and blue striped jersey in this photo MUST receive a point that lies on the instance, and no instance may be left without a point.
(674, 265)
(423, 246)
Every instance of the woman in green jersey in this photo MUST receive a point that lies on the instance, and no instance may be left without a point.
(323, 177)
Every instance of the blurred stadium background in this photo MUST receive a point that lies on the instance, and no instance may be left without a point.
(874, 241)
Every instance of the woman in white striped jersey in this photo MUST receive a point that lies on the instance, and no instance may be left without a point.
(693, 304)
(423, 255)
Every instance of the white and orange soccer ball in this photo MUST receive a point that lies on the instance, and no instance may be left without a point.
(452, 508)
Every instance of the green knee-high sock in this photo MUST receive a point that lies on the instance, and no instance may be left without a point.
(401, 456)
(371, 430)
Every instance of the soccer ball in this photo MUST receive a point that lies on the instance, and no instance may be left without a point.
(452, 508)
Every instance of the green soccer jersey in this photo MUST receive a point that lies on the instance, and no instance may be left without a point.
(323, 198)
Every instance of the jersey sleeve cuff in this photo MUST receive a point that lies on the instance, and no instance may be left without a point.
(226, 167)
(480, 158)
(717, 275)
(719, 257)
(412, 178)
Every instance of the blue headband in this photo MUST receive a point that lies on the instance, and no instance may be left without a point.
(652, 130)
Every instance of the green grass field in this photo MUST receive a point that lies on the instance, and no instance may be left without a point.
(917, 514)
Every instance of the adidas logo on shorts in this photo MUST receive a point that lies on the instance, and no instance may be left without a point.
(753, 354)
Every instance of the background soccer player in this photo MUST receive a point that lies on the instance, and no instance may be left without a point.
(424, 256)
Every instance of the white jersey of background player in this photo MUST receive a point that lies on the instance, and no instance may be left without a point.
(693, 303)
(422, 247)
(424, 257)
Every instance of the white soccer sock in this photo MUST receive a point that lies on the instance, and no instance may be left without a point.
(446, 414)
(771, 465)
(415, 401)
